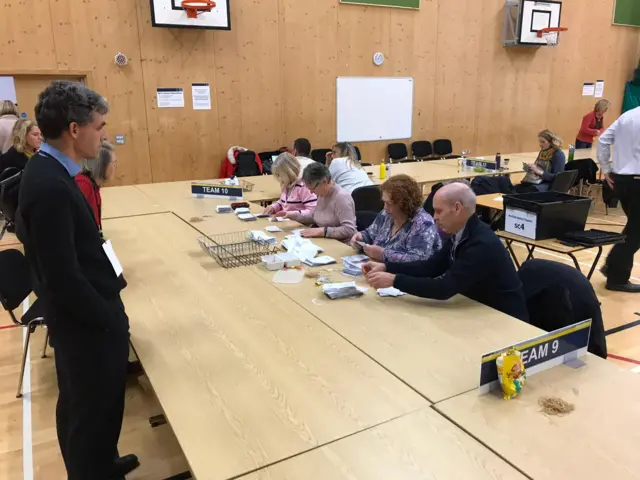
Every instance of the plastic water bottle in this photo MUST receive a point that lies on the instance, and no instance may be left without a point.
(383, 170)
(498, 160)
(572, 152)
(388, 166)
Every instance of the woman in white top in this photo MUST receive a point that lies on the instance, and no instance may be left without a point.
(345, 167)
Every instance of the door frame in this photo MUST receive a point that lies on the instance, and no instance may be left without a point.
(87, 74)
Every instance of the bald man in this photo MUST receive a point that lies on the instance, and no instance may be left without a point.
(473, 262)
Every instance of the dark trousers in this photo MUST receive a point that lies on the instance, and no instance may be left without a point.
(581, 144)
(91, 367)
(620, 260)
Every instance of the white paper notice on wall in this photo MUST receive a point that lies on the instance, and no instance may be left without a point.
(170, 97)
(8, 89)
(588, 89)
(521, 222)
(201, 93)
(599, 88)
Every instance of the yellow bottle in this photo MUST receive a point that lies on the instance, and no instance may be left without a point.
(383, 170)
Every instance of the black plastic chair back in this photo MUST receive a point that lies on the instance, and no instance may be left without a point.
(247, 165)
(320, 155)
(421, 149)
(397, 151)
(563, 181)
(367, 199)
(357, 152)
(267, 160)
(15, 279)
(365, 219)
(443, 146)
(9, 192)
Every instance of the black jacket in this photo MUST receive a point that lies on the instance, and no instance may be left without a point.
(73, 275)
(479, 268)
(13, 158)
(559, 295)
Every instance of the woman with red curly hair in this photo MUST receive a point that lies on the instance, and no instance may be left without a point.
(403, 231)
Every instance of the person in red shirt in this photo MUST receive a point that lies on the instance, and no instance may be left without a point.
(592, 124)
(95, 173)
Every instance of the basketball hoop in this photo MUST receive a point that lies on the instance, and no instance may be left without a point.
(196, 7)
(550, 35)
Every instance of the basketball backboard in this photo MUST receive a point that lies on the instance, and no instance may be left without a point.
(171, 14)
(525, 18)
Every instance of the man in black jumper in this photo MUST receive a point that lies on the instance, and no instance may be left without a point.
(76, 281)
(473, 262)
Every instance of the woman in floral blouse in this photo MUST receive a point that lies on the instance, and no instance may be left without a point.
(403, 232)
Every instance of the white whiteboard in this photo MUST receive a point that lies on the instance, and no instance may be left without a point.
(374, 108)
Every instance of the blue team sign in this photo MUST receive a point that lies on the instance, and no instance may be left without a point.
(541, 353)
(213, 190)
(481, 163)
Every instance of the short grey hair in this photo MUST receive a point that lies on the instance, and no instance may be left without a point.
(458, 192)
(96, 168)
(63, 103)
(315, 173)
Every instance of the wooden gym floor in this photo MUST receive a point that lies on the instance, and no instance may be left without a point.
(27, 426)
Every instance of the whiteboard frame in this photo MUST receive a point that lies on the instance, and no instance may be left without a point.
(359, 140)
(613, 18)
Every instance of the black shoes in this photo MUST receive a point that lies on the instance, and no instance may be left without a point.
(124, 465)
(627, 287)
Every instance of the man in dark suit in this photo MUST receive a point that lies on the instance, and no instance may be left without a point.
(473, 262)
(78, 284)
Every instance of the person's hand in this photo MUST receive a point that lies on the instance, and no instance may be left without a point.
(609, 179)
(535, 169)
(329, 157)
(373, 267)
(381, 279)
(374, 252)
(282, 214)
(312, 232)
(269, 210)
(357, 237)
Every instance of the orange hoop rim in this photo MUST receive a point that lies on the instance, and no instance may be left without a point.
(194, 7)
(544, 31)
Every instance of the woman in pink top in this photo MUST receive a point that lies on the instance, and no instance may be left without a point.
(592, 125)
(335, 213)
(295, 196)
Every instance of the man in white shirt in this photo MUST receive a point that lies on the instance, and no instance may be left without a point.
(302, 150)
(623, 176)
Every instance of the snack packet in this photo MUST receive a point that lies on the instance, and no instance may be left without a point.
(511, 373)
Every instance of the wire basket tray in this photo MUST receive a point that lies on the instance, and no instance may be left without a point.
(236, 249)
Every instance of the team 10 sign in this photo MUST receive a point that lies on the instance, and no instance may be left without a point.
(212, 190)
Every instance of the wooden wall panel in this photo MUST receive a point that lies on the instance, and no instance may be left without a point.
(273, 75)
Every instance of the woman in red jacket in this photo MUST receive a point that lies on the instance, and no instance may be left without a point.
(95, 173)
(592, 124)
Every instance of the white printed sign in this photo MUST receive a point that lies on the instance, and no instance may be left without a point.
(520, 222)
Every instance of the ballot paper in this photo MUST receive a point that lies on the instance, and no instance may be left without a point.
(304, 248)
(352, 265)
(319, 261)
(224, 209)
(342, 290)
(262, 238)
(242, 210)
(246, 217)
(273, 229)
(279, 219)
(390, 292)
(232, 182)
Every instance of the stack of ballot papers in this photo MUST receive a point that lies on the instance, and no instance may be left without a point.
(262, 238)
(342, 290)
(279, 219)
(273, 229)
(224, 209)
(246, 217)
(242, 210)
(352, 265)
(390, 292)
(319, 261)
(303, 248)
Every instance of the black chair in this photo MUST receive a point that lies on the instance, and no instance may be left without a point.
(563, 181)
(267, 160)
(421, 150)
(367, 164)
(357, 152)
(320, 155)
(365, 219)
(247, 165)
(9, 189)
(397, 151)
(559, 295)
(15, 287)
(444, 148)
(367, 199)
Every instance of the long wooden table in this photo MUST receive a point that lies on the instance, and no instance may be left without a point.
(421, 445)
(598, 440)
(127, 201)
(244, 375)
